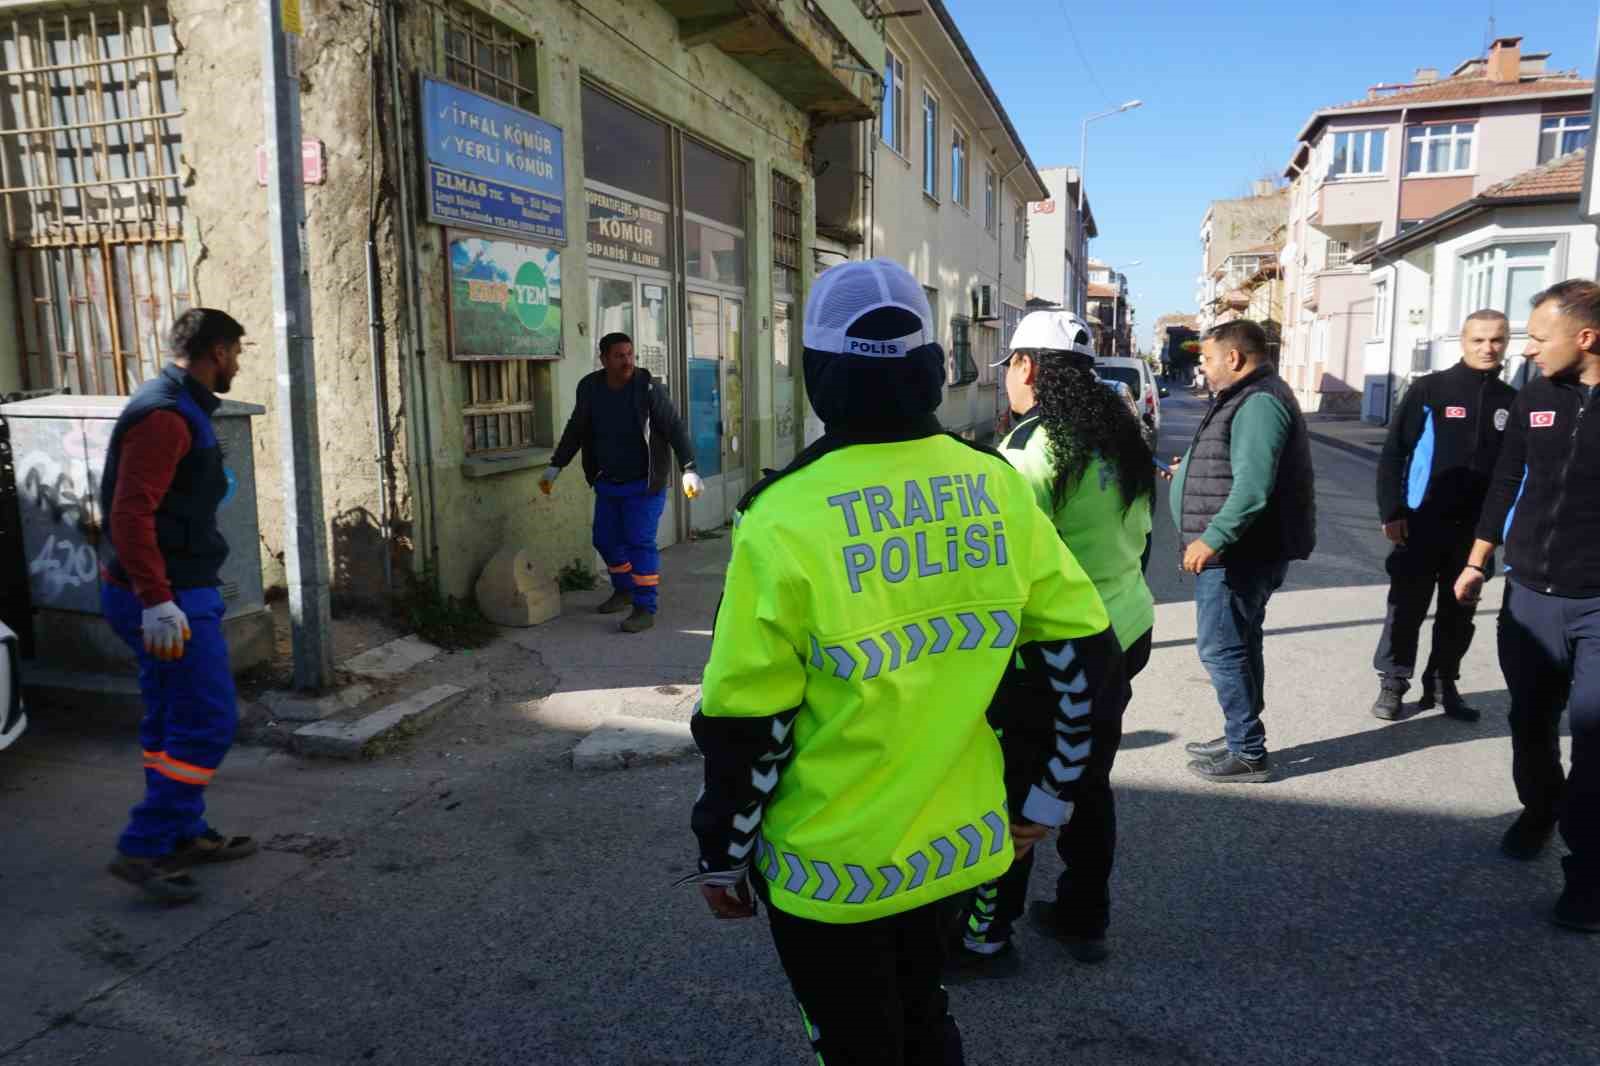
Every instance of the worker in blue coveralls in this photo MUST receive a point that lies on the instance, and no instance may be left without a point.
(628, 431)
(163, 483)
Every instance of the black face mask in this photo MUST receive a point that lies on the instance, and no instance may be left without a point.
(860, 392)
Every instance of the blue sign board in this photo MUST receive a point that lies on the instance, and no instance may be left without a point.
(492, 166)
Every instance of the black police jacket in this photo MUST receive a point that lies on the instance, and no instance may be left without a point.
(1442, 446)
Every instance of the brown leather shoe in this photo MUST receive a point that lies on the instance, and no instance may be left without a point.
(165, 880)
(639, 621)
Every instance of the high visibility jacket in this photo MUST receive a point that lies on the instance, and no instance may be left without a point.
(874, 597)
(1106, 538)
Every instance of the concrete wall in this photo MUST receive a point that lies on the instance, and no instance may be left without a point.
(702, 90)
(1049, 276)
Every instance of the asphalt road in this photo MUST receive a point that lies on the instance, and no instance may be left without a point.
(479, 903)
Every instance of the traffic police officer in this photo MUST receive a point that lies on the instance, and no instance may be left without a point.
(1437, 458)
(163, 483)
(877, 589)
(1544, 501)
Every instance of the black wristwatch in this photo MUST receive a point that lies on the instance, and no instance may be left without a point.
(1479, 569)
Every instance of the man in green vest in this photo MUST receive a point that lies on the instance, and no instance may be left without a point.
(877, 590)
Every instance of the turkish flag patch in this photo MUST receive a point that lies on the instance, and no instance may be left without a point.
(1541, 419)
(1455, 412)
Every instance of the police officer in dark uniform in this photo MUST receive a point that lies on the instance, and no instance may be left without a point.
(1441, 449)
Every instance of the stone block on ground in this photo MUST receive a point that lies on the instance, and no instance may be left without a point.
(512, 592)
(619, 743)
(294, 707)
(353, 739)
(391, 659)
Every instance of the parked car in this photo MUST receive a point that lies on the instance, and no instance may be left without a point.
(1122, 390)
(1136, 374)
(13, 719)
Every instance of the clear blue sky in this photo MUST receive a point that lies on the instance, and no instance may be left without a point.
(1226, 86)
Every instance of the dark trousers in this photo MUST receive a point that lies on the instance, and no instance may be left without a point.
(1087, 844)
(1230, 613)
(190, 716)
(870, 992)
(1423, 571)
(625, 520)
(1550, 655)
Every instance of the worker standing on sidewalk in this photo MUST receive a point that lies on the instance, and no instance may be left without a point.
(1083, 453)
(1544, 501)
(878, 588)
(1441, 448)
(163, 483)
(628, 431)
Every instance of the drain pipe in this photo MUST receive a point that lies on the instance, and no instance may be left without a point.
(408, 265)
(375, 337)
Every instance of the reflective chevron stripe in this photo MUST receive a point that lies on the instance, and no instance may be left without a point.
(882, 653)
(819, 879)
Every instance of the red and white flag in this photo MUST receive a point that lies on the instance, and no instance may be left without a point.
(1541, 419)
(1455, 412)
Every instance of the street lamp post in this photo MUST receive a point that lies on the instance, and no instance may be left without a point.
(1083, 177)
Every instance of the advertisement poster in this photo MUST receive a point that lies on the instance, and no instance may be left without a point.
(492, 166)
(505, 300)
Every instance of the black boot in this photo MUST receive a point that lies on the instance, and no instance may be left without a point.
(1454, 707)
(1527, 836)
(1390, 692)
(1427, 701)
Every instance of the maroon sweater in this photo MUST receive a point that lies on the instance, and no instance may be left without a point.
(150, 454)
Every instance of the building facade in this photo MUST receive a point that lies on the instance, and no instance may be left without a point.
(1232, 227)
(1366, 171)
(1494, 251)
(941, 184)
(1058, 243)
(529, 175)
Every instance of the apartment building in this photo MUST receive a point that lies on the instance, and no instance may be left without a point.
(1234, 226)
(1249, 284)
(1369, 170)
(1058, 243)
(941, 183)
(1109, 312)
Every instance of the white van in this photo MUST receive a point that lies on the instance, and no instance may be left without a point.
(1141, 381)
(12, 719)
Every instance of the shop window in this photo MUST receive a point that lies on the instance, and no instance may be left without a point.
(624, 149)
(498, 405)
(713, 227)
(90, 140)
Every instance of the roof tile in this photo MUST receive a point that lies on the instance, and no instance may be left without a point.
(1452, 89)
(1560, 175)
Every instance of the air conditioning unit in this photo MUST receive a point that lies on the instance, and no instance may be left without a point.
(983, 304)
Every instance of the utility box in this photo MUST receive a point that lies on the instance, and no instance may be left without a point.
(58, 447)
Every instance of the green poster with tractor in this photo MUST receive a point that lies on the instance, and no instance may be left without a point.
(505, 300)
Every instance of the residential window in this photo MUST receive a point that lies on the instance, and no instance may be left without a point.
(1445, 148)
(1241, 268)
(960, 186)
(892, 117)
(1357, 153)
(1561, 135)
(930, 144)
(1505, 277)
(962, 370)
(1019, 231)
(785, 267)
(988, 354)
(498, 410)
(1380, 310)
(991, 207)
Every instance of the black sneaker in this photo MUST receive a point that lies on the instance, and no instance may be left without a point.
(619, 601)
(1580, 911)
(1390, 693)
(1207, 749)
(165, 880)
(1454, 706)
(963, 965)
(1046, 918)
(639, 621)
(1426, 703)
(1229, 768)
(1527, 836)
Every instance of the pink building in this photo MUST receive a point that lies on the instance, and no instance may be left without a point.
(1366, 171)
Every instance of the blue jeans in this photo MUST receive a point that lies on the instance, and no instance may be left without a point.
(625, 520)
(190, 716)
(1230, 605)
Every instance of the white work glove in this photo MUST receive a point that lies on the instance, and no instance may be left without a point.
(547, 480)
(165, 627)
(692, 484)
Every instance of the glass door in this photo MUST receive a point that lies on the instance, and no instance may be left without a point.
(716, 404)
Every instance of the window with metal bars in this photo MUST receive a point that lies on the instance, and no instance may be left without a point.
(90, 137)
(785, 233)
(499, 409)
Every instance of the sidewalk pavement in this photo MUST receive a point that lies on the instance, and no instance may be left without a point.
(1348, 434)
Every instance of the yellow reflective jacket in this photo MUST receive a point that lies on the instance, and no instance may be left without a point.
(874, 597)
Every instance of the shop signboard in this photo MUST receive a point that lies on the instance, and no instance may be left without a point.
(505, 299)
(623, 231)
(492, 166)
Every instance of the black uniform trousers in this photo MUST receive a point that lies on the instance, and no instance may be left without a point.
(1423, 571)
(1087, 844)
(870, 991)
(1550, 655)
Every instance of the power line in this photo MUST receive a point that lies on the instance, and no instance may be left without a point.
(1082, 55)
